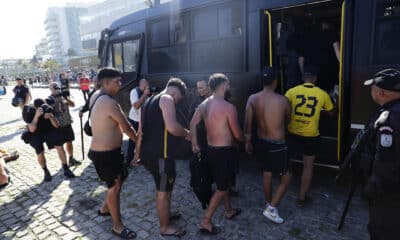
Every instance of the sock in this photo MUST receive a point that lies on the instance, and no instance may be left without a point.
(70, 157)
(65, 166)
(45, 169)
(271, 208)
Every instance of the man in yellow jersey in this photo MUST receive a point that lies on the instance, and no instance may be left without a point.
(307, 102)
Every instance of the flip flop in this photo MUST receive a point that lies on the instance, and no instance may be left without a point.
(5, 184)
(105, 214)
(174, 216)
(126, 233)
(214, 231)
(237, 211)
(178, 233)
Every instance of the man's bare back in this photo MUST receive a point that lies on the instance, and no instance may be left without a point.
(272, 112)
(220, 118)
(107, 134)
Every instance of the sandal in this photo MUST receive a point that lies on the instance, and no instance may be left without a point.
(174, 216)
(103, 214)
(178, 233)
(126, 233)
(236, 211)
(214, 230)
(5, 184)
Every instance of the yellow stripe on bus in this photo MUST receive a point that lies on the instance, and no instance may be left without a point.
(270, 36)
(339, 142)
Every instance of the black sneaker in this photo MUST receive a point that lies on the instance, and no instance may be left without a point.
(47, 176)
(74, 162)
(68, 173)
(301, 203)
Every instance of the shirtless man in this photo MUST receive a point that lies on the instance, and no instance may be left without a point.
(108, 123)
(220, 118)
(272, 113)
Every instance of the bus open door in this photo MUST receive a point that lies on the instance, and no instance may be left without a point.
(310, 31)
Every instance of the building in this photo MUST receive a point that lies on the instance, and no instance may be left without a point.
(42, 51)
(100, 16)
(62, 26)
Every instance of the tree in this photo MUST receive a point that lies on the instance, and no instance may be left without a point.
(50, 65)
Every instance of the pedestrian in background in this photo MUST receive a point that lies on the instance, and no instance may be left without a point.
(22, 94)
(138, 96)
(61, 104)
(84, 84)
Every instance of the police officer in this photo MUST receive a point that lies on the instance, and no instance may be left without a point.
(383, 185)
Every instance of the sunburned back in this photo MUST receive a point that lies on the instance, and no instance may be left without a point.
(215, 114)
(270, 109)
(106, 132)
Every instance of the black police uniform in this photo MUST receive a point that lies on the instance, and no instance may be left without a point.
(383, 185)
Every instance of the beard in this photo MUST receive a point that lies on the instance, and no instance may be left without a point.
(227, 95)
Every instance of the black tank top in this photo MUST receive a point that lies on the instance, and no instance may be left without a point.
(154, 134)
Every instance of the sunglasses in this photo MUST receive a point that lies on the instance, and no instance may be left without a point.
(56, 88)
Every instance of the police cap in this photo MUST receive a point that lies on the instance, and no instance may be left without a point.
(388, 79)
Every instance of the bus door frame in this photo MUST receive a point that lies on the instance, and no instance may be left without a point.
(343, 71)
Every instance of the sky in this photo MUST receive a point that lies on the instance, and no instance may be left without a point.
(22, 25)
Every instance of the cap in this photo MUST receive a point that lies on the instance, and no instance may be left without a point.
(388, 79)
(268, 75)
(310, 70)
(18, 79)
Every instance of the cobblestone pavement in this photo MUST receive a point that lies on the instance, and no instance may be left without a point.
(66, 209)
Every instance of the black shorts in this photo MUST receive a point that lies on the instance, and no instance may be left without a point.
(38, 139)
(222, 161)
(273, 155)
(65, 134)
(164, 174)
(109, 165)
(308, 146)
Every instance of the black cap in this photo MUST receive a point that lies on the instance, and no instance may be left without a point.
(310, 70)
(267, 75)
(18, 78)
(388, 79)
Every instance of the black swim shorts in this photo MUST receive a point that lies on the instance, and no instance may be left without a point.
(38, 139)
(222, 163)
(308, 146)
(65, 134)
(109, 165)
(273, 155)
(164, 174)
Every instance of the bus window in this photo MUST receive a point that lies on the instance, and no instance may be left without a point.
(387, 32)
(131, 55)
(109, 62)
(117, 56)
(159, 33)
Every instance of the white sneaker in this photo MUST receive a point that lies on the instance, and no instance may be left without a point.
(273, 215)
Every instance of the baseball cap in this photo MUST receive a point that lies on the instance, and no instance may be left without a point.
(18, 79)
(267, 75)
(388, 79)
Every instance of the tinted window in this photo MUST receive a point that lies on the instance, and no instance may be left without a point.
(168, 60)
(205, 24)
(159, 32)
(387, 32)
(131, 55)
(117, 50)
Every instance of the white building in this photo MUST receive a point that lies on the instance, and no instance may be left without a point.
(100, 16)
(62, 32)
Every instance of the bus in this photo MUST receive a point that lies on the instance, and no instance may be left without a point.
(192, 39)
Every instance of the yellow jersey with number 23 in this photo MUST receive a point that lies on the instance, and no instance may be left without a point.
(307, 102)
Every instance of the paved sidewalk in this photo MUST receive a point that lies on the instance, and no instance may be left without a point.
(66, 209)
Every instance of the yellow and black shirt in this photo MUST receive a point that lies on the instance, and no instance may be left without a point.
(307, 102)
